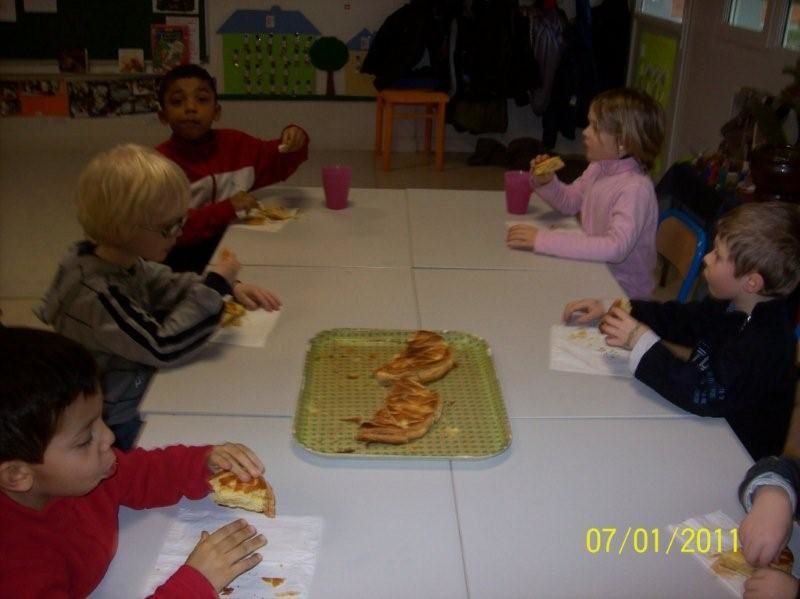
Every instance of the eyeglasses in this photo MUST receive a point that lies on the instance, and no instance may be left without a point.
(169, 230)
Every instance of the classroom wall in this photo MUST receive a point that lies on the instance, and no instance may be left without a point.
(331, 125)
(717, 67)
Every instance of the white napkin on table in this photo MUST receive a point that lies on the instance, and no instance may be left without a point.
(713, 522)
(584, 349)
(253, 330)
(290, 553)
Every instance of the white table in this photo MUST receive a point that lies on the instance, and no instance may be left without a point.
(467, 229)
(371, 231)
(228, 379)
(513, 526)
(513, 311)
(390, 527)
(524, 515)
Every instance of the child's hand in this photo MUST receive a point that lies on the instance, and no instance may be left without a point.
(766, 529)
(621, 329)
(591, 309)
(243, 201)
(292, 139)
(225, 554)
(521, 237)
(769, 583)
(253, 297)
(541, 179)
(236, 458)
(228, 266)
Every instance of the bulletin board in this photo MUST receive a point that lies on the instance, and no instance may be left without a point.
(100, 26)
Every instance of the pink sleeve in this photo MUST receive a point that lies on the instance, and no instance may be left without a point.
(185, 582)
(160, 477)
(567, 199)
(626, 224)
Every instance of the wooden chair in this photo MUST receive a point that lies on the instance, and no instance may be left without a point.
(434, 104)
(681, 242)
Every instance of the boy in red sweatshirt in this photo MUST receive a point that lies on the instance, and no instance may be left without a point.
(223, 165)
(61, 483)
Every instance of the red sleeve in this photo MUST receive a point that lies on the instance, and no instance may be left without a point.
(272, 166)
(160, 477)
(206, 222)
(186, 582)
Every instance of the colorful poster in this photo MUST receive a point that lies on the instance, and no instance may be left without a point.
(655, 66)
(170, 45)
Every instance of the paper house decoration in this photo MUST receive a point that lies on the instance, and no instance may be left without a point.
(356, 82)
(265, 52)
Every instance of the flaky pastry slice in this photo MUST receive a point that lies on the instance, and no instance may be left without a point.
(623, 303)
(730, 563)
(409, 412)
(427, 358)
(255, 495)
(258, 216)
(550, 165)
(232, 314)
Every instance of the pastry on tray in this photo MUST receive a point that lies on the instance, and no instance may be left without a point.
(427, 358)
(408, 413)
(255, 495)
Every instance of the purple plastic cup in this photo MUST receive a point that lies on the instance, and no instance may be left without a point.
(336, 183)
(518, 191)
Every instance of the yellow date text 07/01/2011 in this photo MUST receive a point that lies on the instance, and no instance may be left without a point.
(650, 540)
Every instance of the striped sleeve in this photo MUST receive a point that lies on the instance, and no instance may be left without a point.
(123, 327)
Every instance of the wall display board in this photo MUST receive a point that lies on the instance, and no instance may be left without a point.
(100, 26)
(281, 54)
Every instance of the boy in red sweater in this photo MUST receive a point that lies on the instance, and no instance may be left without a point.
(61, 483)
(223, 165)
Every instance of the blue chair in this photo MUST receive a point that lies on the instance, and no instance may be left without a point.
(682, 243)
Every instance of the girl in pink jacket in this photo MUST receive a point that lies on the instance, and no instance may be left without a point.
(614, 195)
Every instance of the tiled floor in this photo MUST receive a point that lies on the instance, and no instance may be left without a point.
(37, 218)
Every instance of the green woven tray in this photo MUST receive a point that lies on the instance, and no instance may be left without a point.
(338, 385)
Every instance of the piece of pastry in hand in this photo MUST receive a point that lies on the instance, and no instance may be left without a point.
(730, 563)
(258, 216)
(427, 358)
(409, 412)
(551, 165)
(255, 495)
(232, 314)
(623, 303)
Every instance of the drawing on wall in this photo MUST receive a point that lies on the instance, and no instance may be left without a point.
(328, 54)
(266, 52)
(281, 53)
(356, 82)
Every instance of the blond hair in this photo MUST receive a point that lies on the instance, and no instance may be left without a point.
(127, 187)
(635, 119)
(764, 238)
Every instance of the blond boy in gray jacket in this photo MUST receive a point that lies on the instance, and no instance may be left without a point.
(111, 294)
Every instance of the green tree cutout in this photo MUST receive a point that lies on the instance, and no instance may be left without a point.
(329, 54)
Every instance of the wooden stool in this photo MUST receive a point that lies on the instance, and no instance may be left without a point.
(385, 103)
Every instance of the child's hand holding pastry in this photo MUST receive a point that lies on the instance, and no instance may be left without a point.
(228, 266)
(522, 237)
(292, 139)
(243, 202)
(766, 529)
(543, 168)
(621, 329)
(236, 458)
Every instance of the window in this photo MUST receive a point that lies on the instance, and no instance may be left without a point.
(791, 36)
(663, 9)
(748, 14)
